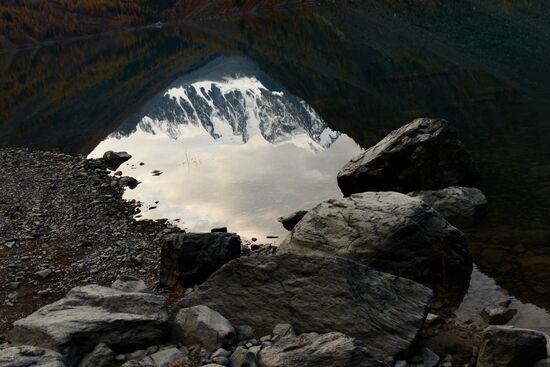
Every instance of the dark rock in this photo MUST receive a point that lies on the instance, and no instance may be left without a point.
(28, 356)
(495, 315)
(190, 258)
(245, 333)
(314, 350)
(89, 315)
(429, 358)
(455, 202)
(423, 155)
(113, 160)
(129, 182)
(317, 293)
(505, 346)
(290, 221)
(219, 230)
(391, 232)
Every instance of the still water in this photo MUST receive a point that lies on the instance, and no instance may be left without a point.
(251, 119)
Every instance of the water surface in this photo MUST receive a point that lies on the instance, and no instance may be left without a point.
(252, 119)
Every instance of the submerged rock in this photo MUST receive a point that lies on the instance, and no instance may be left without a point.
(423, 155)
(113, 160)
(495, 315)
(190, 258)
(28, 356)
(314, 350)
(317, 294)
(90, 315)
(290, 221)
(454, 202)
(390, 231)
(505, 346)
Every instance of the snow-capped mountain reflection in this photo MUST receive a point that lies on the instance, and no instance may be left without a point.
(233, 101)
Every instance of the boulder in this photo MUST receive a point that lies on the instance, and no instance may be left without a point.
(113, 160)
(390, 231)
(423, 155)
(190, 258)
(314, 350)
(290, 221)
(317, 294)
(101, 356)
(496, 315)
(74, 325)
(203, 326)
(505, 346)
(455, 202)
(28, 356)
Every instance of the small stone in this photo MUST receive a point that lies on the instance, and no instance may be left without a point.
(43, 274)
(245, 332)
(505, 302)
(221, 360)
(495, 315)
(221, 353)
(13, 285)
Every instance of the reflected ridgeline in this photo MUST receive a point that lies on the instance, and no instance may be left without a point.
(365, 68)
(233, 101)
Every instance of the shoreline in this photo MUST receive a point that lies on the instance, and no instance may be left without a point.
(63, 223)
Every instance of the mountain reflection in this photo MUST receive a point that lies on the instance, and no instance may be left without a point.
(233, 101)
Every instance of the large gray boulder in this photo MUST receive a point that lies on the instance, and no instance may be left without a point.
(423, 155)
(506, 346)
(390, 231)
(91, 315)
(455, 202)
(190, 258)
(29, 356)
(314, 350)
(204, 326)
(317, 294)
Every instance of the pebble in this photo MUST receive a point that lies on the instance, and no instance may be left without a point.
(43, 274)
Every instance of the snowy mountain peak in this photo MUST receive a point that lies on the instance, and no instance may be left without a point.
(233, 101)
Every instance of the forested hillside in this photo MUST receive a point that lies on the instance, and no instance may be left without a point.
(28, 22)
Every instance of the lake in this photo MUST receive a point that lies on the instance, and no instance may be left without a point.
(251, 119)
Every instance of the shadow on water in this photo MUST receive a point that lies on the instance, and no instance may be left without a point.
(364, 71)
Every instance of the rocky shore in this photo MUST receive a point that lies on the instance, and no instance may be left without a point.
(370, 279)
(63, 223)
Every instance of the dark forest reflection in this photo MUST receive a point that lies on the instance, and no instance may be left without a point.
(362, 81)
